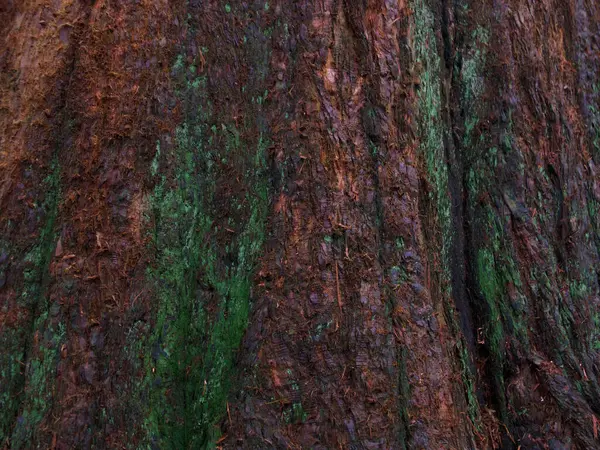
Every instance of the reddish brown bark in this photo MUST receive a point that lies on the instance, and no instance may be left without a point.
(399, 199)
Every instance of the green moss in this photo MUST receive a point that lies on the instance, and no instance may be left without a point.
(29, 393)
(40, 374)
(469, 385)
(179, 65)
(472, 78)
(491, 290)
(504, 318)
(431, 127)
(295, 413)
(204, 264)
(11, 377)
(432, 131)
(196, 355)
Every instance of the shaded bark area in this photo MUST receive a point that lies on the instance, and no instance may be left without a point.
(316, 224)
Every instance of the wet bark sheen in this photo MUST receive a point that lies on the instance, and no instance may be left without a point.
(362, 224)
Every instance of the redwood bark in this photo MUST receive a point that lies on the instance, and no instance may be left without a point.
(314, 224)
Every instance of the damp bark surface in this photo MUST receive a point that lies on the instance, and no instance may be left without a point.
(328, 224)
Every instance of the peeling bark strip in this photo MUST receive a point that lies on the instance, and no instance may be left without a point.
(314, 224)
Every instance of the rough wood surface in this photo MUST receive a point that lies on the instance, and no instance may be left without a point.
(316, 224)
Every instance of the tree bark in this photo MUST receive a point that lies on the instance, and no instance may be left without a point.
(324, 224)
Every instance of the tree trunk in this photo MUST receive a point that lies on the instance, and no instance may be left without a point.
(332, 224)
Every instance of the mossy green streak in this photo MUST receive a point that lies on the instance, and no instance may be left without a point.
(202, 276)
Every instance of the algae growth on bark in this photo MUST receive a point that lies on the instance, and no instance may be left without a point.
(332, 224)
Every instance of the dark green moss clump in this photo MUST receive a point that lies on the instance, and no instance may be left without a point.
(208, 213)
(28, 367)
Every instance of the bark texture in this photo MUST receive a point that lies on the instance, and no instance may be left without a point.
(320, 224)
